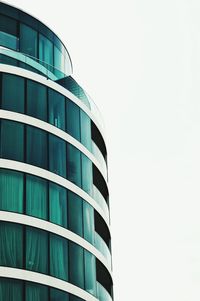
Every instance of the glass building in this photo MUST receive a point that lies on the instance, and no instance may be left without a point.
(54, 201)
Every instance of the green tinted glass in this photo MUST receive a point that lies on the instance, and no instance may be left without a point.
(36, 100)
(57, 155)
(76, 272)
(73, 165)
(75, 213)
(73, 120)
(56, 109)
(36, 292)
(11, 290)
(28, 40)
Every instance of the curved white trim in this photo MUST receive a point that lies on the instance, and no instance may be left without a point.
(49, 83)
(40, 172)
(55, 229)
(55, 131)
(39, 278)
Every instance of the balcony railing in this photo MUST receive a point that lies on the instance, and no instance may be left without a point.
(102, 293)
(98, 197)
(102, 247)
(98, 155)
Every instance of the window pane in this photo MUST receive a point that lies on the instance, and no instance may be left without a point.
(11, 250)
(8, 25)
(11, 290)
(57, 109)
(57, 295)
(36, 147)
(28, 40)
(87, 178)
(13, 93)
(74, 298)
(90, 273)
(58, 257)
(45, 50)
(58, 205)
(9, 40)
(36, 250)
(36, 100)
(86, 139)
(36, 292)
(76, 271)
(88, 222)
(75, 213)
(12, 140)
(73, 165)
(57, 155)
(11, 191)
(73, 120)
(36, 197)
(59, 61)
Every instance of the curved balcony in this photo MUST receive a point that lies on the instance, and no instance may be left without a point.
(102, 247)
(98, 155)
(102, 293)
(98, 197)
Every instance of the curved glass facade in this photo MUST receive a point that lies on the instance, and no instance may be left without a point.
(49, 233)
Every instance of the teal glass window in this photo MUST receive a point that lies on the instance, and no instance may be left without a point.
(90, 273)
(58, 295)
(86, 139)
(57, 155)
(8, 32)
(57, 109)
(28, 40)
(73, 165)
(57, 205)
(11, 191)
(36, 250)
(45, 51)
(36, 292)
(75, 213)
(11, 290)
(12, 140)
(87, 174)
(88, 222)
(11, 245)
(73, 120)
(36, 197)
(59, 61)
(12, 93)
(58, 257)
(36, 100)
(36, 147)
(76, 271)
(75, 298)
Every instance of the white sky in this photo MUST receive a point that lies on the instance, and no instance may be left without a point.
(140, 61)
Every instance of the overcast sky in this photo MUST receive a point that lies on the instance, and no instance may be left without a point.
(140, 62)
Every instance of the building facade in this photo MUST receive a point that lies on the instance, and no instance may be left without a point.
(54, 200)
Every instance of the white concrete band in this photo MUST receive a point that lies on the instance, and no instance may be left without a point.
(45, 174)
(39, 278)
(53, 85)
(9, 115)
(55, 229)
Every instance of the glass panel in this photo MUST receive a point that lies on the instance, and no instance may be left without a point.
(11, 191)
(57, 109)
(87, 178)
(74, 298)
(36, 147)
(76, 271)
(36, 250)
(28, 40)
(11, 245)
(86, 139)
(12, 140)
(57, 295)
(73, 165)
(57, 155)
(58, 257)
(36, 100)
(8, 40)
(88, 222)
(59, 60)
(58, 204)
(102, 247)
(13, 93)
(102, 293)
(90, 273)
(8, 25)
(75, 213)
(45, 50)
(36, 197)
(36, 292)
(11, 290)
(73, 120)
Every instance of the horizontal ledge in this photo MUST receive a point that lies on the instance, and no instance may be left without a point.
(55, 229)
(39, 278)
